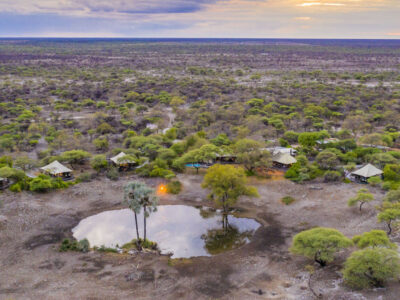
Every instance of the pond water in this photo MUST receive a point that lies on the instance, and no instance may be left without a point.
(182, 230)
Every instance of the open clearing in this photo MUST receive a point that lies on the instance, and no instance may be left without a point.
(34, 225)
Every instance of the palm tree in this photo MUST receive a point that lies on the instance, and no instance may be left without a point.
(139, 195)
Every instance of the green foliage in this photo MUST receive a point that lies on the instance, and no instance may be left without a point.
(101, 143)
(73, 245)
(174, 187)
(227, 183)
(41, 184)
(332, 176)
(251, 154)
(319, 244)
(74, 156)
(112, 173)
(391, 172)
(392, 196)
(371, 267)
(221, 140)
(327, 160)
(362, 197)
(287, 200)
(84, 177)
(374, 238)
(375, 181)
(389, 215)
(6, 161)
(99, 162)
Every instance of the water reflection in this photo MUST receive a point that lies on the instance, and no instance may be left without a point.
(183, 230)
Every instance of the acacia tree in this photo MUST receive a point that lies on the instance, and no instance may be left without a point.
(227, 183)
(138, 196)
(363, 196)
(389, 215)
(252, 154)
(204, 154)
(372, 239)
(371, 267)
(319, 244)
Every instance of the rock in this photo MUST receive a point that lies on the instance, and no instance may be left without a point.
(3, 220)
(287, 284)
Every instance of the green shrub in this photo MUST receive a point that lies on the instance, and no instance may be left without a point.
(84, 245)
(375, 181)
(287, 200)
(84, 177)
(174, 187)
(332, 176)
(147, 244)
(16, 187)
(73, 245)
(112, 174)
(106, 249)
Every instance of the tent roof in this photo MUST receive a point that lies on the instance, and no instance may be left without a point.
(116, 158)
(56, 168)
(284, 158)
(368, 171)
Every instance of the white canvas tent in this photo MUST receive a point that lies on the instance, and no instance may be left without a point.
(57, 169)
(366, 172)
(284, 159)
(122, 163)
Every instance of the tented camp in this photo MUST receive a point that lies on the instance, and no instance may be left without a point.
(278, 150)
(121, 163)
(283, 160)
(4, 183)
(225, 159)
(366, 172)
(56, 169)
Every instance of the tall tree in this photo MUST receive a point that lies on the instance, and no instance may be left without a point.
(138, 196)
(363, 196)
(252, 154)
(319, 244)
(227, 183)
(371, 267)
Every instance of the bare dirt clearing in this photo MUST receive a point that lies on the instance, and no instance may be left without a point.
(33, 226)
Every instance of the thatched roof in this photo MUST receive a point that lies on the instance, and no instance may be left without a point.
(368, 171)
(284, 159)
(118, 159)
(56, 168)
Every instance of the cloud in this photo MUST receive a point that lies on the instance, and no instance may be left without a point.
(87, 7)
(320, 4)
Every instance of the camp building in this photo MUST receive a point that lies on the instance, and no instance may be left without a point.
(121, 163)
(4, 183)
(283, 160)
(366, 172)
(56, 169)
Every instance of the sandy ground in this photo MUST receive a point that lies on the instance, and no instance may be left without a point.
(33, 225)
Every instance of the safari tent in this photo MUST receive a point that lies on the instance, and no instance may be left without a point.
(56, 169)
(4, 183)
(121, 163)
(225, 159)
(366, 172)
(283, 160)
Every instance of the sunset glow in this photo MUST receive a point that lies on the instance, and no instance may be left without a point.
(202, 18)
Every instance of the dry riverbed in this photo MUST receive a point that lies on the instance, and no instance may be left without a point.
(33, 225)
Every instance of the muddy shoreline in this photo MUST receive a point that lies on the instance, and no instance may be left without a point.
(33, 268)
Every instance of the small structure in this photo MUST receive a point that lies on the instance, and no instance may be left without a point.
(56, 169)
(121, 163)
(283, 160)
(279, 150)
(4, 183)
(225, 159)
(366, 172)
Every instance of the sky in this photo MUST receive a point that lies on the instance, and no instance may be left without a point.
(201, 18)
